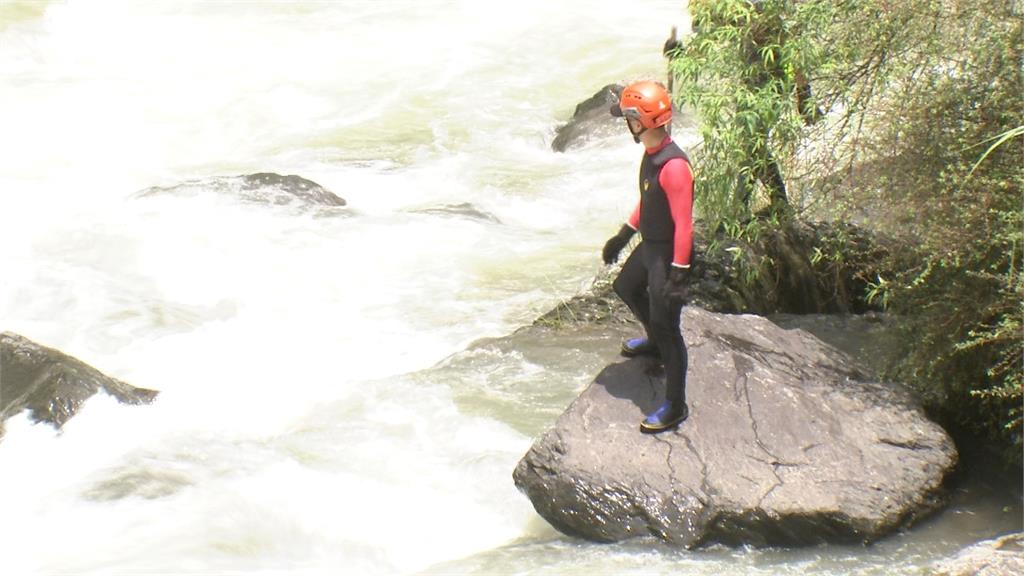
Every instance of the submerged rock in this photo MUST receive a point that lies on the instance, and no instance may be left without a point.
(461, 210)
(998, 557)
(786, 444)
(262, 188)
(51, 385)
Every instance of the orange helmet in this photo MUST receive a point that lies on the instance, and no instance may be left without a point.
(645, 101)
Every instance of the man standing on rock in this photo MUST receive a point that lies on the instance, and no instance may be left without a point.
(653, 278)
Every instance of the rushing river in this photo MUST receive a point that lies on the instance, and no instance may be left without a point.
(322, 411)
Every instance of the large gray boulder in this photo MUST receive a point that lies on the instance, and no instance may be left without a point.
(51, 385)
(786, 444)
(1002, 556)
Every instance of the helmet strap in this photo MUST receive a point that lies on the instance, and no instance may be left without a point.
(636, 135)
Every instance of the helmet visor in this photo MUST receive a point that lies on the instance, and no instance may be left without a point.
(620, 112)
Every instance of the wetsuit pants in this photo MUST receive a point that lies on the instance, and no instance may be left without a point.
(641, 285)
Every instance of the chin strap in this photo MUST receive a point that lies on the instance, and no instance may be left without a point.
(636, 135)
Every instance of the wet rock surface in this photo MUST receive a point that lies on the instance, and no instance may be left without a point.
(51, 385)
(260, 188)
(787, 443)
(590, 119)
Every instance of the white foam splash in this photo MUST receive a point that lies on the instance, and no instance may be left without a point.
(286, 438)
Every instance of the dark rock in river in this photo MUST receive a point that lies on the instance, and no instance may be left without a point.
(787, 444)
(53, 385)
(998, 557)
(462, 210)
(261, 188)
(590, 118)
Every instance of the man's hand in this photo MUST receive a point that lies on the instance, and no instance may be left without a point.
(677, 285)
(616, 243)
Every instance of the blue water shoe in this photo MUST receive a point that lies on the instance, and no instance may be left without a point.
(639, 347)
(664, 418)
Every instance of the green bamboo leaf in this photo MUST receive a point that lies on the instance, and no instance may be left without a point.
(999, 140)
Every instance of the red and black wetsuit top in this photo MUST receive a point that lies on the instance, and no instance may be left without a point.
(665, 211)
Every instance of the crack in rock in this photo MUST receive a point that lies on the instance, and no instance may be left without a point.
(705, 486)
(656, 523)
(743, 369)
(778, 482)
(791, 367)
(668, 461)
(585, 417)
(906, 444)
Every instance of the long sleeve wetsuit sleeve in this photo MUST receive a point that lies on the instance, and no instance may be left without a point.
(676, 180)
(634, 219)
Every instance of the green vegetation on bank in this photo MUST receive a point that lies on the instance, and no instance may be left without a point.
(905, 117)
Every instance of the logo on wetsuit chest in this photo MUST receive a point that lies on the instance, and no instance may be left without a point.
(647, 184)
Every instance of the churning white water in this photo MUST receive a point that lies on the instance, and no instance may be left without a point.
(295, 432)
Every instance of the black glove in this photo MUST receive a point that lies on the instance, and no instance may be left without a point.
(677, 284)
(616, 243)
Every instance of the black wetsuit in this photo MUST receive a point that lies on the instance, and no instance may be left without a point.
(641, 283)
